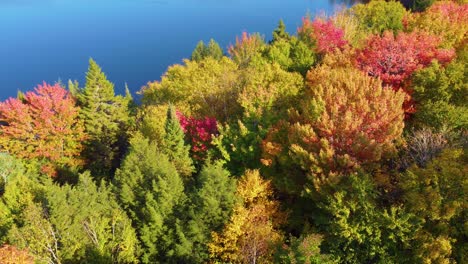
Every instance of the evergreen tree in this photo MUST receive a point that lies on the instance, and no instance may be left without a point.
(292, 54)
(199, 53)
(67, 224)
(92, 226)
(149, 189)
(280, 32)
(421, 5)
(174, 144)
(211, 206)
(19, 193)
(106, 118)
(303, 58)
(203, 51)
(73, 88)
(214, 50)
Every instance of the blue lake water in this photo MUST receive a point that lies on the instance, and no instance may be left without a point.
(134, 41)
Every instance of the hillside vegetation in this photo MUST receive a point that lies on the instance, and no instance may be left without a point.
(343, 143)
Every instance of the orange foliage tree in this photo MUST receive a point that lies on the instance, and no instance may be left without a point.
(345, 120)
(43, 126)
(12, 255)
(246, 47)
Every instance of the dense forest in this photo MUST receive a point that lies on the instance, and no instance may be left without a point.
(343, 143)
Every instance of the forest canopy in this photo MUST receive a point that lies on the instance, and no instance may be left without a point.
(345, 142)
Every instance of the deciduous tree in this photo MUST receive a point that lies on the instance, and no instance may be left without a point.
(441, 93)
(12, 255)
(395, 59)
(345, 120)
(198, 89)
(322, 35)
(380, 15)
(445, 19)
(252, 231)
(436, 194)
(305, 250)
(199, 133)
(9, 168)
(362, 231)
(246, 48)
(43, 126)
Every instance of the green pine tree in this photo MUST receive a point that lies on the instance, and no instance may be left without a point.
(174, 144)
(74, 88)
(203, 51)
(421, 5)
(91, 223)
(65, 224)
(149, 189)
(280, 32)
(106, 118)
(199, 53)
(214, 50)
(18, 192)
(210, 208)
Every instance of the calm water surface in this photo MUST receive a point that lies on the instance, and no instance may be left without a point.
(134, 41)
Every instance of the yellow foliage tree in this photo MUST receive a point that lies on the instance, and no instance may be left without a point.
(252, 232)
(446, 19)
(198, 89)
(150, 122)
(219, 89)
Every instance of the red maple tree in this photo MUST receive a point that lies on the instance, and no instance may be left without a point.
(325, 36)
(44, 126)
(199, 133)
(394, 59)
